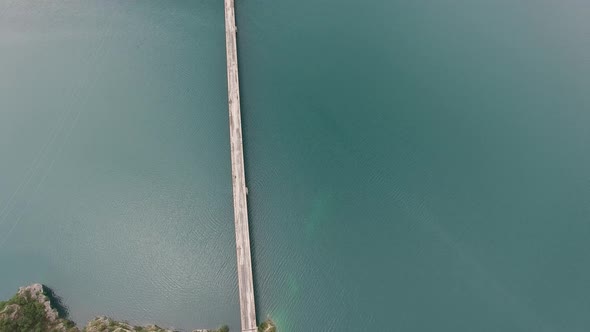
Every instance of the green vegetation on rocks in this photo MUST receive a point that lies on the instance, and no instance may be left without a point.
(30, 310)
(106, 324)
(36, 309)
(224, 328)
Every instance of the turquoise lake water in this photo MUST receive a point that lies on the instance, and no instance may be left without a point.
(412, 165)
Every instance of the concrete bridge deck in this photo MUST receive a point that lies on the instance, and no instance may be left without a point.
(245, 278)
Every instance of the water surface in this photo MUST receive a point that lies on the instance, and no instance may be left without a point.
(114, 181)
(418, 165)
(412, 166)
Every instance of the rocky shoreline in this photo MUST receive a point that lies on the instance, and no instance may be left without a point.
(35, 308)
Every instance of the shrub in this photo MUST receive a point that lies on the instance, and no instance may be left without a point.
(31, 318)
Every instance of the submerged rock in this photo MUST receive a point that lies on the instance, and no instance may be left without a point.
(267, 326)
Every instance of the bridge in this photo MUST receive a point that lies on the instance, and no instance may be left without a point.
(245, 278)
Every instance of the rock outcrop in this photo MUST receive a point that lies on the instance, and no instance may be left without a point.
(36, 292)
(34, 308)
(104, 324)
(31, 310)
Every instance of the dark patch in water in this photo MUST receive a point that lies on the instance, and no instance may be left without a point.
(57, 302)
